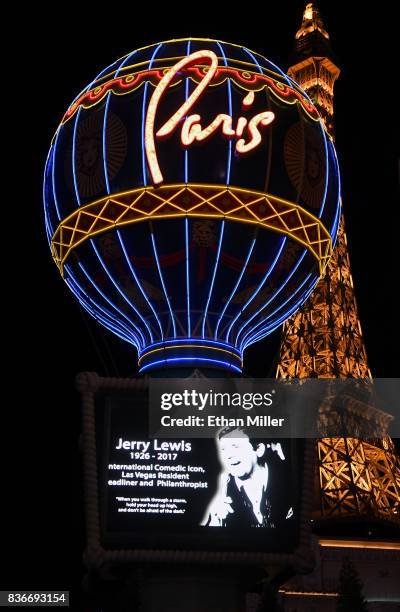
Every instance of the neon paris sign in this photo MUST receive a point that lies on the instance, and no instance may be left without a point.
(246, 131)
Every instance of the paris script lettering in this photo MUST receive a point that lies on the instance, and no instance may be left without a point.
(247, 132)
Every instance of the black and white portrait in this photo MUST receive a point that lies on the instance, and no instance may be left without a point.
(253, 487)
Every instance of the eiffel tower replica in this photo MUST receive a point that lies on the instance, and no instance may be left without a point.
(355, 477)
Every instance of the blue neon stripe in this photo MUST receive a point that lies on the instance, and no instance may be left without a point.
(123, 325)
(162, 282)
(79, 203)
(47, 221)
(84, 90)
(122, 294)
(129, 337)
(235, 287)
(79, 292)
(271, 298)
(48, 229)
(228, 83)
(258, 288)
(138, 281)
(144, 113)
(186, 97)
(254, 59)
(91, 241)
(335, 226)
(100, 74)
(104, 323)
(108, 191)
(77, 116)
(338, 205)
(140, 343)
(74, 136)
(337, 167)
(102, 320)
(264, 332)
(187, 275)
(191, 359)
(281, 72)
(104, 121)
(269, 62)
(287, 78)
(336, 221)
(93, 81)
(268, 165)
(213, 277)
(109, 326)
(271, 326)
(263, 321)
(302, 91)
(87, 87)
(53, 180)
(127, 58)
(78, 200)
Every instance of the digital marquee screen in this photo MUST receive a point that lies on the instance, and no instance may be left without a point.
(230, 492)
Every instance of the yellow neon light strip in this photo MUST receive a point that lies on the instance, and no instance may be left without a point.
(144, 203)
(182, 346)
(213, 40)
(247, 67)
(359, 544)
(308, 594)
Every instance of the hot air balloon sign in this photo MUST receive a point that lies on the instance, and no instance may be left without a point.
(192, 201)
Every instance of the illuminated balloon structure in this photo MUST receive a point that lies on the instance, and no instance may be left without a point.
(191, 200)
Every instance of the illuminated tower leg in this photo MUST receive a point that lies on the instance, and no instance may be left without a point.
(324, 339)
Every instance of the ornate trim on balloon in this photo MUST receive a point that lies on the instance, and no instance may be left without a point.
(192, 200)
(245, 79)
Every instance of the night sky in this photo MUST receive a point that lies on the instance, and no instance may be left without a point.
(52, 339)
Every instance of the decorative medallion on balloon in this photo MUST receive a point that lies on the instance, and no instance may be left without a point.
(191, 201)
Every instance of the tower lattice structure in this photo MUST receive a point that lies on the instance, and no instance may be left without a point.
(324, 338)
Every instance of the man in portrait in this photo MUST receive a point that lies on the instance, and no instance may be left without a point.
(253, 488)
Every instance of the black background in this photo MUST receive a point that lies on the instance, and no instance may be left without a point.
(51, 57)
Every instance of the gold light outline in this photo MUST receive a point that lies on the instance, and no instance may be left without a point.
(364, 544)
(165, 60)
(308, 593)
(175, 40)
(62, 246)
